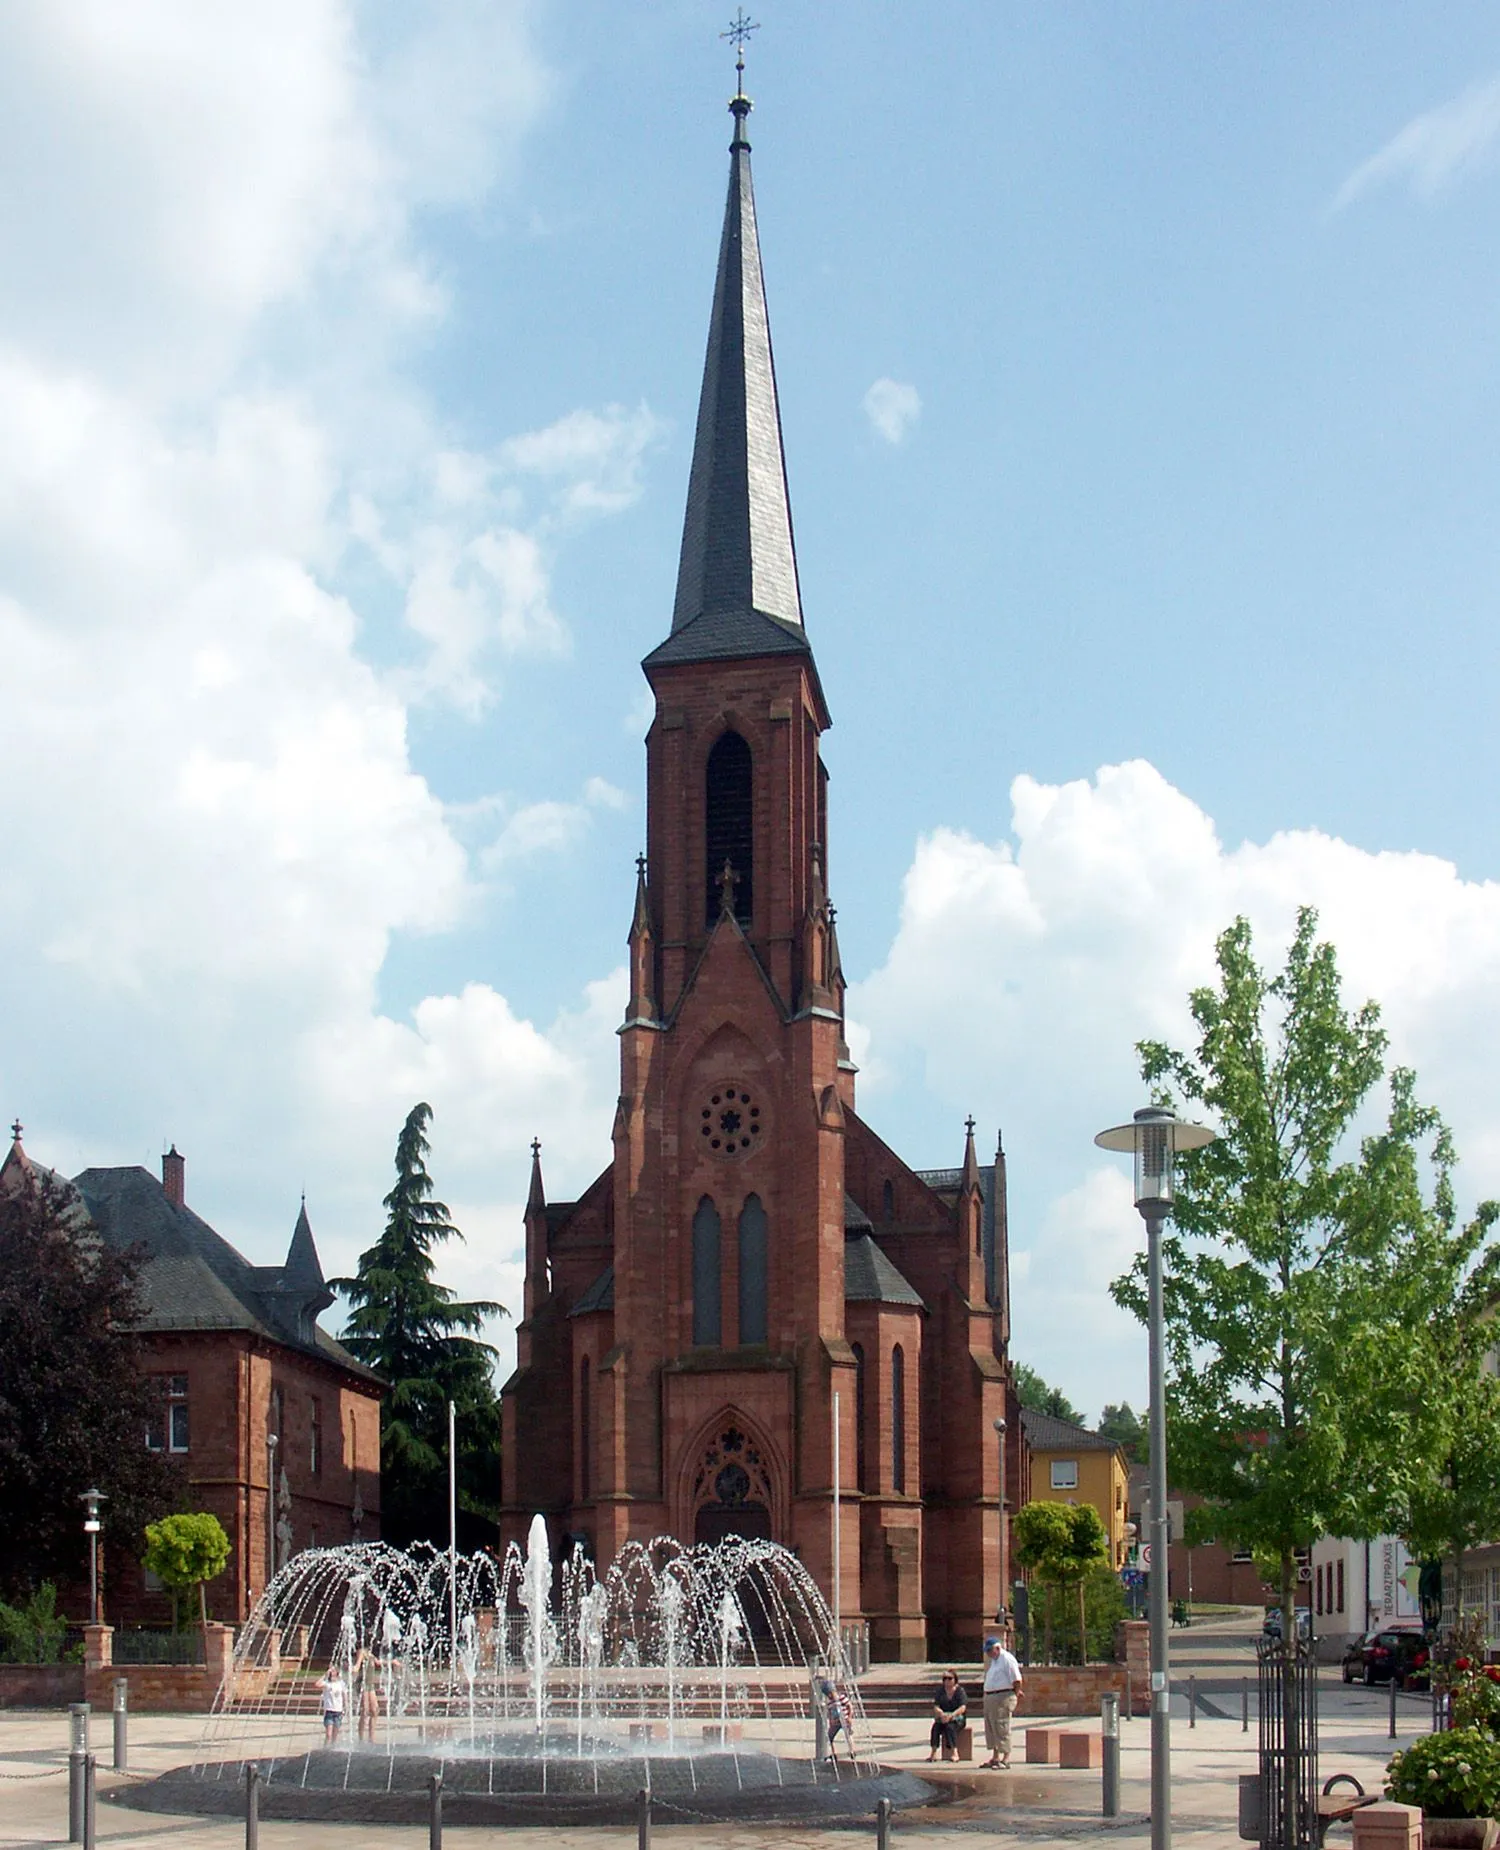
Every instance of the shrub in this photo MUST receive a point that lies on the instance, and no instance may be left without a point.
(1451, 1775)
(33, 1633)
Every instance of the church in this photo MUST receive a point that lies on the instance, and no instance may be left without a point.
(757, 1292)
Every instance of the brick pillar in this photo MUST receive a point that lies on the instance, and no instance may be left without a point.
(98, 1647)
(218, 1651)
(1133, 1650)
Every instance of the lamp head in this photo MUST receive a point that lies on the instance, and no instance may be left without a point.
(1154, 1137)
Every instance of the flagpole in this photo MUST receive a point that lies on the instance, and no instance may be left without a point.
(452, 1542)
(838, 1552)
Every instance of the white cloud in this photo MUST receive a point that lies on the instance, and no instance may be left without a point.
(1435, 149)
(1024, 971)
(892, 409)
(215, 259)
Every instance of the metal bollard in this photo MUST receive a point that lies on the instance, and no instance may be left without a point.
(78, 1749)
(643, 1819)
(1393, 1709)
(435, 1812)
(1109, 1728)
(883, 1824)
(121, 1719)
(252, 1808)
(89, 1767)
(1192, 1702)
(1244, 1705)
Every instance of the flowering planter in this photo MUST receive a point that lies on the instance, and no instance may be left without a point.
(1458, 1833)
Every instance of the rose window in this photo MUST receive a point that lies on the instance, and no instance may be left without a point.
(730, 1122)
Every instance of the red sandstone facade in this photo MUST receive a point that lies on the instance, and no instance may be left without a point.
(755, 1255)
(238, 1355)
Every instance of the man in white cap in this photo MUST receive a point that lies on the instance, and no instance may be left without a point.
(1002, 1684)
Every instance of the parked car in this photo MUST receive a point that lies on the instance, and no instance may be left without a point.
(1272, 1627)
(1388, 1656)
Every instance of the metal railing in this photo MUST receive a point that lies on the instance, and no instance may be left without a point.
(155, 1647)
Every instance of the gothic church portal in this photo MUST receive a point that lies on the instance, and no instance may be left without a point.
(753, 1249)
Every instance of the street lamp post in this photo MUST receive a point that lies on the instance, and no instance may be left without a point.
(91, 1499)
(271, 1444)
(1002, 1609)
(1154, 1137)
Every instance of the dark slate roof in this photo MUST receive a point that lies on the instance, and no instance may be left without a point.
(738, 560)
(870, 1278)
(729, 636)
(855, 1218)
(599, 1296)
(1046, 1433)
(193, 1279)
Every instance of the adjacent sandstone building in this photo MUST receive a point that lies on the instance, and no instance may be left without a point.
(754, 1256)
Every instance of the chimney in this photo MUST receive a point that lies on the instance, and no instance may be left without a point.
(174, 1177)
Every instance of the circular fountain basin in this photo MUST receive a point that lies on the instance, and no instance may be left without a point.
(506, 1782)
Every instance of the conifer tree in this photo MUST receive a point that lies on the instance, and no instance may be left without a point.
(415, 1333)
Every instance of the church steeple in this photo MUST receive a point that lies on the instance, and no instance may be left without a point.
(737, 591)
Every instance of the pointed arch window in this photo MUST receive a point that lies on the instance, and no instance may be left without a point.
(752, 1257)
(859, 1415)
(707, 1324)
(729, 827)
(585, 1431)
(898, 1421)
(888, 1199)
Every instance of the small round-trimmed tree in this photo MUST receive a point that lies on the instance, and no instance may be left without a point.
(187, 1551)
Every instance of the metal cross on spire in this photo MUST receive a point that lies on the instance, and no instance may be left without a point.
(740, 28)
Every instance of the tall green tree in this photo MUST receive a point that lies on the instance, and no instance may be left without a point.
(1034, 1393)
(1297, 1258)
(1123, 1425)
(75, 1398)
(418, 1335)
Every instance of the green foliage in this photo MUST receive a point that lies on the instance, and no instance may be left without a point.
(1034, 1393)
(33, 1632)
(1123, 1425)
(1455, 1774)
(74, 1397)
(1302, 1268)
(186, 1551)
(1060, 1545)
(415, 1333)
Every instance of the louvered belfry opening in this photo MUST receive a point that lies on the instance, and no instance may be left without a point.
(729, 832)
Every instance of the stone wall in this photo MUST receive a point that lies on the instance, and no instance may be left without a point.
(156, 1689)
(1069, 1689)
(40, 1686)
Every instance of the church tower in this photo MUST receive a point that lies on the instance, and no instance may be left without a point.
(723, 1294)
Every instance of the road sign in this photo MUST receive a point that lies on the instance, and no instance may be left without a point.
(1145, 1554)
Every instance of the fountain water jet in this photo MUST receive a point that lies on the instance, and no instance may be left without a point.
(618, 1666)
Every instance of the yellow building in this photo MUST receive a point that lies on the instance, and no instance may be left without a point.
(1070, 1464)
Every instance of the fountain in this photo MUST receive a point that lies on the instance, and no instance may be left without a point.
(537, 1692)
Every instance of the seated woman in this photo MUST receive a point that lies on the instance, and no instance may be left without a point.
(949, 1703)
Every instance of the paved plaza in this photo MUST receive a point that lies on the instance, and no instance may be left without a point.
(1043, 1805)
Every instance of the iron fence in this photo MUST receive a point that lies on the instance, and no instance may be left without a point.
(1288, 1693)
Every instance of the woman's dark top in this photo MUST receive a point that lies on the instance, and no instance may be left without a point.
(950, 1700)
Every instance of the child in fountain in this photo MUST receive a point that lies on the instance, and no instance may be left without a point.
(334, 1692)
(838, 1713)
(366, 1693)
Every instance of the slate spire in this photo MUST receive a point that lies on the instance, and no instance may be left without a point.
(737, 554)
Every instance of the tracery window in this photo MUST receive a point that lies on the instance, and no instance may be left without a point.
(898, 1421)
(729, 827)
(753, 1268)
(707, 1317)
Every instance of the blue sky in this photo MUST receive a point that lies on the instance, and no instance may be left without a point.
(1139, 381)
